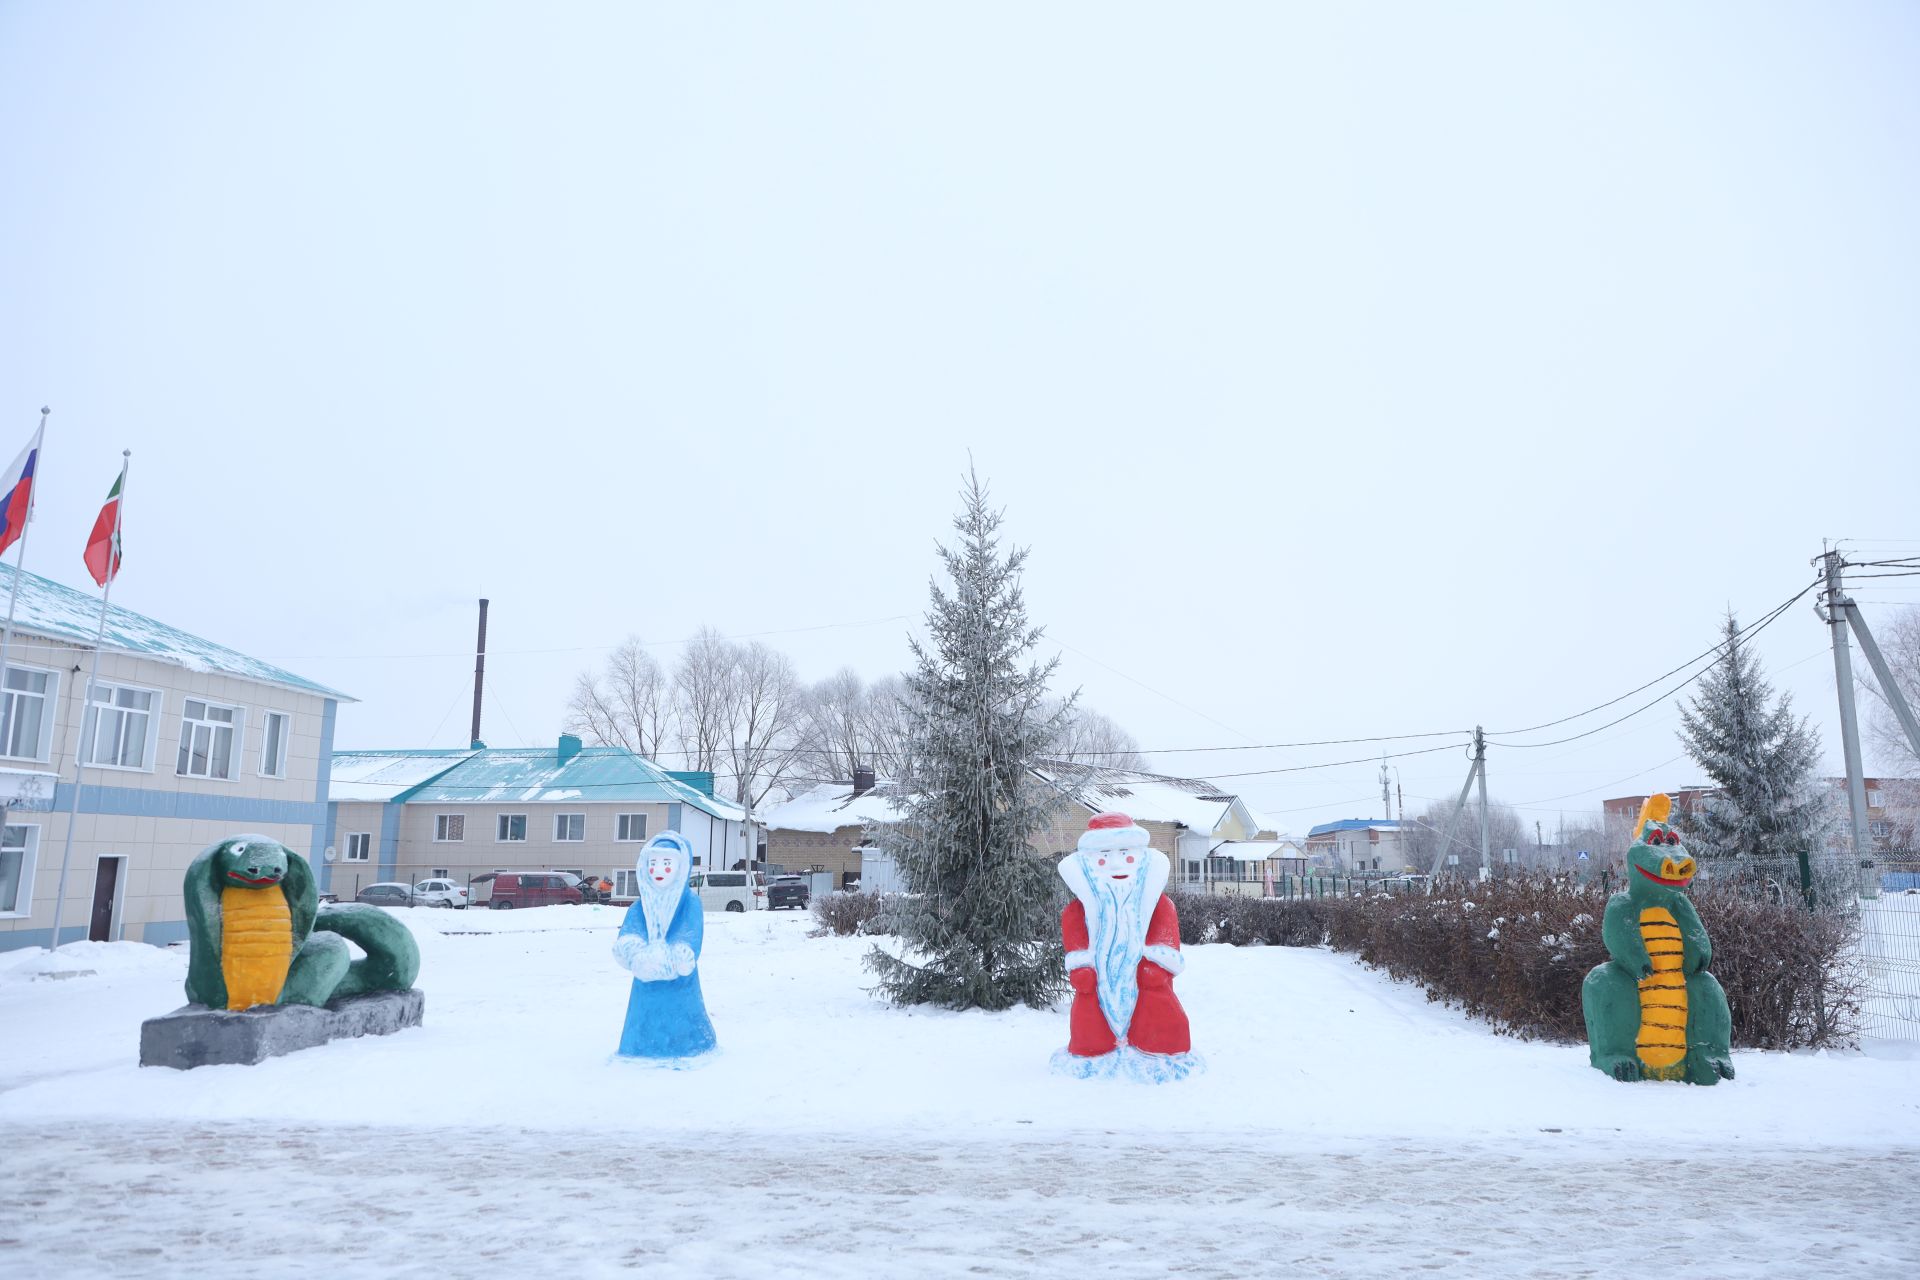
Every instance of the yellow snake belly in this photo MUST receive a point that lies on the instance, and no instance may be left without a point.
(256, 944)
(1662, 1043)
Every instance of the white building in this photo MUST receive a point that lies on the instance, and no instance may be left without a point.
(185, 742)
(410, 814)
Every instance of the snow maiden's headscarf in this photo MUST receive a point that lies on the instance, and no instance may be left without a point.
(1118, 911)
(659, 900)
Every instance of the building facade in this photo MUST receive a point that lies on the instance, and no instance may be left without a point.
(404, 816)
(827, 827)
(182, 743)
(1356, 845)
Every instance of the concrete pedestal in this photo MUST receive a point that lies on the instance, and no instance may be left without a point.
(196, 1036)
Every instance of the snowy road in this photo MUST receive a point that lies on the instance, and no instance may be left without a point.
(200, 1199)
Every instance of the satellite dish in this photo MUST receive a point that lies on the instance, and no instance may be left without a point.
(331, 855)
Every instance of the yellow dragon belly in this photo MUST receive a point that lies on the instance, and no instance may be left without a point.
(1662, 1045)
(256, 944)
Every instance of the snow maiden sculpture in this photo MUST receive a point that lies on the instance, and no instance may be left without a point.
(1123, 950)
(1653, 1011)
(659, 944)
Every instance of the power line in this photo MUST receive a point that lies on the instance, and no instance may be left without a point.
(1745, 632)
(583, 648)
(1274, 746)
(1749, 633)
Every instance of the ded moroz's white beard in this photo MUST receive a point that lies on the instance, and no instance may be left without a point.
(1117, 930)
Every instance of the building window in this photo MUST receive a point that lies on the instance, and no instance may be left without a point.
(119, 727)
(511, 828)
(24, 725)
(441, 872)
(626, 883)
(209, 733)
(630, 828)
(449, 827)
(273, 747)
(359, 846)
(569, 828)
(17, 848)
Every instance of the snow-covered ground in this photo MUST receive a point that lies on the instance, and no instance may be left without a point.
(1346, 1126)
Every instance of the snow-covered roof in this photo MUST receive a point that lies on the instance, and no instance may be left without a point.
(544, 775)
(382, 775)
(830, 806)
(53, 609)
(1355, 824)
(1194, 803)
(1256, 850)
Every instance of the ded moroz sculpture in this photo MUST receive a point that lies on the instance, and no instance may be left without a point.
(1653, 1011)
(1122, 939)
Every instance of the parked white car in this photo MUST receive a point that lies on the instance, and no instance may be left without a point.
(729, 890)
(440, 893)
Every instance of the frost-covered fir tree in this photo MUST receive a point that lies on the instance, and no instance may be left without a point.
(1770, 803)
(979, 923)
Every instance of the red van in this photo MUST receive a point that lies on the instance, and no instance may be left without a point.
(530, 889)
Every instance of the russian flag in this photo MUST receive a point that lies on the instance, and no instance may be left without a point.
(16, 492)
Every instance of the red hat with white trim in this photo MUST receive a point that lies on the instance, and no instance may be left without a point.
(1112, 833)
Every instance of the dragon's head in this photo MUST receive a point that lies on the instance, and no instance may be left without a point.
(249, 862)
(1657, 859)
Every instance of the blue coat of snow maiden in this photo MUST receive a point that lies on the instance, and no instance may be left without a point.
(659, 944)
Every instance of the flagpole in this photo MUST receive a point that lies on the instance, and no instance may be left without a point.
(80, 730)
(13, 601)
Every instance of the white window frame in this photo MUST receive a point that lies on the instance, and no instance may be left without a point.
(44, 747)
(366, 846)
(625, 820)
(90, 719)
(234, 756)
(502, 824)
(29, 862)
(266, 736)
(626, 882)
(440, 828)
(563, 818)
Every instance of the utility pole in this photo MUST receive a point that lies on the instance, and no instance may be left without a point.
(479, 674)
(1837, 607)
(1386, 793)
(1477, 772)
(1486, 829)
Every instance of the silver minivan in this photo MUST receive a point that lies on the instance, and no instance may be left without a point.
(729, 890)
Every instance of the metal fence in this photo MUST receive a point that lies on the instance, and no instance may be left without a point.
(1890, 951)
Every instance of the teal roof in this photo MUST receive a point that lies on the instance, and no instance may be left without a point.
(48, 608)
(537, 775)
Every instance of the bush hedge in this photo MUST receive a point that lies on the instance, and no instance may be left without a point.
(1515, 951)
(846, 914)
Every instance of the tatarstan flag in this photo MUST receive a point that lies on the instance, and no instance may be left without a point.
(103, 544)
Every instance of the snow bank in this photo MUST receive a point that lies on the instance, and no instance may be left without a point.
(1305, 1048)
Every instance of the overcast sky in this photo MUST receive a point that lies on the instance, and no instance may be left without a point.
(1350, 370)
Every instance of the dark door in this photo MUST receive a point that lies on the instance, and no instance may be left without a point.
(105, 880)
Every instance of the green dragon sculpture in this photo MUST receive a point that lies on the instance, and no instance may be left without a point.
(258, 936)
(1653, 1011)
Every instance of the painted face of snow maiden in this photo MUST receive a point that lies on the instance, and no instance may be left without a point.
(663, 866)
(1657, 861)
(249, 863)
(1115, 866)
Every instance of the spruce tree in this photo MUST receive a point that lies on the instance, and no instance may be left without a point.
(979, 918)
(1770, 805)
